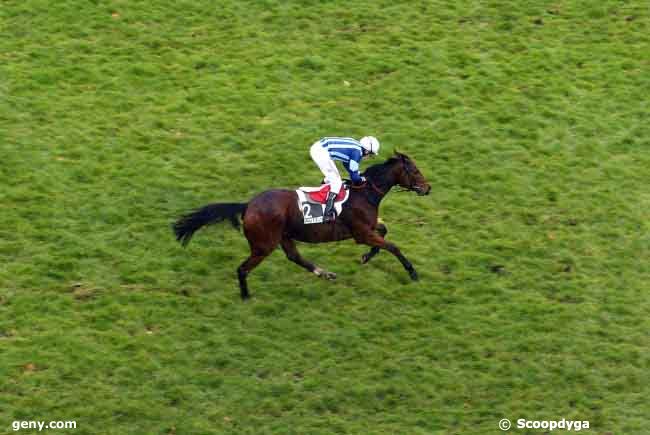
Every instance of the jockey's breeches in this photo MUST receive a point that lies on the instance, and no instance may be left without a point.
(327, 166)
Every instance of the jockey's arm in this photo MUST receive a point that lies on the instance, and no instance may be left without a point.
(353, 170)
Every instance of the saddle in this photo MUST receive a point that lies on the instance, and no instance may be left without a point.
(312, 200)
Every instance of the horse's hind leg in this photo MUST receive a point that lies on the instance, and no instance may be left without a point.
(382, 231)
(289, 247)
(263, 224)
(245, 268)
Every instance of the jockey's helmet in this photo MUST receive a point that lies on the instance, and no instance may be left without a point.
(370, 144)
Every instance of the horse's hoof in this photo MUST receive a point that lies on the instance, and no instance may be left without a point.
(329, 276)
(414, 275)
(321, 273)
(365, 258)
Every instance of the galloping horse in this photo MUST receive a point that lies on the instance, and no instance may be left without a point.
(273, 218)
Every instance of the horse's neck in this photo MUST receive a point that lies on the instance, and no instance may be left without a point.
(382, 186)
(385, 185)
(386, 181)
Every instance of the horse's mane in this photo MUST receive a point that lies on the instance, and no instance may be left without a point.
(380, 169)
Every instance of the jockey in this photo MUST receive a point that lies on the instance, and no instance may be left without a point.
(346, 150)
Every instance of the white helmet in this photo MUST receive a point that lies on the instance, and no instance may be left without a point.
(370, 144)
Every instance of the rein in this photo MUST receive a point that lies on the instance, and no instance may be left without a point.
(376, 189)
(371, 184)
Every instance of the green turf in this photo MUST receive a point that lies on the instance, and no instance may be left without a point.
(530, 119)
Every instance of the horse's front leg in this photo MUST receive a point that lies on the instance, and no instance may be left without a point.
(373, 239)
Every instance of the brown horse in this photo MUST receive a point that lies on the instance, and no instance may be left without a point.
(273, 218)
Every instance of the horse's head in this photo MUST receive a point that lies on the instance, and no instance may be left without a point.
(407, 175)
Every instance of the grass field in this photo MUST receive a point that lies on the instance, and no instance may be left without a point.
(529, 119)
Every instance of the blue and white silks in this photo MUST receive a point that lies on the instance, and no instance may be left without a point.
(346, 150)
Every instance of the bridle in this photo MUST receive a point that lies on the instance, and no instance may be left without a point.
(412, 186)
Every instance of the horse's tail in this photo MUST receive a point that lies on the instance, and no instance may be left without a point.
(188, 224)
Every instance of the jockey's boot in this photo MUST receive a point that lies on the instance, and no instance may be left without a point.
(328, 214)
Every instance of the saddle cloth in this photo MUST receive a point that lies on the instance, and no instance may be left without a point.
(311, 202)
